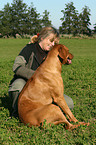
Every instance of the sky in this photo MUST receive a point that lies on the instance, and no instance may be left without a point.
(55, 7)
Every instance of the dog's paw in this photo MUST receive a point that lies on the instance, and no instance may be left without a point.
(83, 123)
(72, 127)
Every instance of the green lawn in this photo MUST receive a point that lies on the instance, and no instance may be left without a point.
(79, 83)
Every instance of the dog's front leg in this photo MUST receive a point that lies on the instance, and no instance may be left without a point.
(60, 101)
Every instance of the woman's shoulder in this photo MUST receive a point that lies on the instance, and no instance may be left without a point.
(28, 48)
(31, 46)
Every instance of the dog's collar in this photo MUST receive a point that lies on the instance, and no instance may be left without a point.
(61, 59)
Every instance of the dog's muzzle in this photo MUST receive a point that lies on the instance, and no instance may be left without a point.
(69, 61)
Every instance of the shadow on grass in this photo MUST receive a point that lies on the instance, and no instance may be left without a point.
(6, 102)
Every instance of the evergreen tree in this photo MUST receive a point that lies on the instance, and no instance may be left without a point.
(84, 21)
(5, 28)
(18, 17)
(70, 20)
(45, 19)
(94, 28)
(33, 20)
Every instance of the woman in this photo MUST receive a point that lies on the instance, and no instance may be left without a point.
(28, 60)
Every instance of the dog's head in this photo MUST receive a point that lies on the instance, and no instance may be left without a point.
(64, 54)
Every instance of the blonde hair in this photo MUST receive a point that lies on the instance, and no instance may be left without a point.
(45, 32)
(34, 39)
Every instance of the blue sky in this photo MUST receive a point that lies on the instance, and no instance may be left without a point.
(55, 7)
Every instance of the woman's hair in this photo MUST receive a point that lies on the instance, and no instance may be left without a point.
(45, 32)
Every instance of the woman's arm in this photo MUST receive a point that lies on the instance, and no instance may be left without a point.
(20, 69)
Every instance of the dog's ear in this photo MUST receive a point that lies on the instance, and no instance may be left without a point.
(62, 52)
(70, 56)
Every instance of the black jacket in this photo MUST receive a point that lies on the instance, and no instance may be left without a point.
(28, 60)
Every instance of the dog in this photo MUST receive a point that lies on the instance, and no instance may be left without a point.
(42, 97)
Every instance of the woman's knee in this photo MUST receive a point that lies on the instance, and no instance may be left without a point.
(14, 90)
(17, 85)
(69, 101)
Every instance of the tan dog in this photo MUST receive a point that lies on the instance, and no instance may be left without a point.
(42, 97)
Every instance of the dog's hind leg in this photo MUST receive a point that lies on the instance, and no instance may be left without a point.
(52, 114)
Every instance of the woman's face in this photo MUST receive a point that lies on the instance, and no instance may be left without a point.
(47, 43)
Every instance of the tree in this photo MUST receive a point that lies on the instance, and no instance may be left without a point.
(84, 21)
(5, 21)
(18, 17)
(70, 20)
(45, 19)
(1, 22)
(13, 17)
(94, 28)
(21, 19)
(33, 20)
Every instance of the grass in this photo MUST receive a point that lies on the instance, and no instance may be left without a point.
(79, 83)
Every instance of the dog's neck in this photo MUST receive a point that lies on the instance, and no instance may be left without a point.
(61, 60)
(55, 62)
